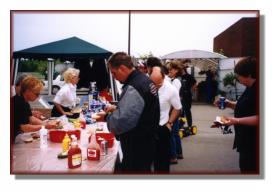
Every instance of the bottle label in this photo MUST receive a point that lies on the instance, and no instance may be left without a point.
(76, 159)
(92, 153)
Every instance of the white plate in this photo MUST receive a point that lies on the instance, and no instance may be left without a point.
(218, 120)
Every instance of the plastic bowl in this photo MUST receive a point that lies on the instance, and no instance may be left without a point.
(109, 137)
(57, 136)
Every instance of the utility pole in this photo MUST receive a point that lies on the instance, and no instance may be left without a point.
(129, 34)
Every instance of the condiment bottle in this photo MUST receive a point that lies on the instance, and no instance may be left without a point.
(66, 143)
(82, 122)
(74, 154)
(43, 137)
(93, 150)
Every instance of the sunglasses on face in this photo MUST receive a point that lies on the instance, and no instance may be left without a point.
(36, 94)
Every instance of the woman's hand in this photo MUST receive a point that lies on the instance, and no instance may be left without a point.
(38, 115)
(52, 124)
(230, 121)
(228, 103)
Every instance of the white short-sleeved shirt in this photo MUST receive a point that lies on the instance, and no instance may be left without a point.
(168, 96)
(177, 84)
(66, 96)
(167, 78)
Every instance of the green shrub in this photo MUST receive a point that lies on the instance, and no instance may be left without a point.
(229, 79)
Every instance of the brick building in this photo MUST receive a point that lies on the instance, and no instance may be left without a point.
(240, 39)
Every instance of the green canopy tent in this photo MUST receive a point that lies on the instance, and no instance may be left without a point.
(70, 48)
(67, 49)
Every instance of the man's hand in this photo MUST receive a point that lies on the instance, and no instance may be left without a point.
(169, 125)
(110, 108)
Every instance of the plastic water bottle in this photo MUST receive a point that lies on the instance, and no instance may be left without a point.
(90, 95)
(90, 99)
(43, 137)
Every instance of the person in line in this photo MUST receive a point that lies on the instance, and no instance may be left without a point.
(153, 66)
(175, 72)
(136, 118)
(168, 98)
(188, 84)
(152, 62)
(16, 87)
(246, 118)
(142, 67)
(66, 97)
(24, 121)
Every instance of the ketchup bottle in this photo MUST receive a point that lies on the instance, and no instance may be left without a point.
(74, 154)
(93, 151)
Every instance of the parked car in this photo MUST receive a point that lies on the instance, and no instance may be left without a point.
(58, 82)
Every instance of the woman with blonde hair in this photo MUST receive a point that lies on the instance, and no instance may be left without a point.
(66, 97)
(24, 121)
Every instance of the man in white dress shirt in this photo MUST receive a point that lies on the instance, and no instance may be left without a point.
(168, 98)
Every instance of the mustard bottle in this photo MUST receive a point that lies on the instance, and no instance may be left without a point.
(66, 143)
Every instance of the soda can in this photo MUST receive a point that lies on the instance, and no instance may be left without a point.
(222, 103)
(104, 147)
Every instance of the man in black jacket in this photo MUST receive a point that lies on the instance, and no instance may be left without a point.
(136, 118)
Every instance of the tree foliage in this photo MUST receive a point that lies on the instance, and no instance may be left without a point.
(145, 56)
(229, 79)
(33, 66)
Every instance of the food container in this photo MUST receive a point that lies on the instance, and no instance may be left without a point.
(57, 136)
(74, 115)
(109, 137)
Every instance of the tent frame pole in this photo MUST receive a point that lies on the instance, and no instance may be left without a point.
(16, 61)
(50, 75)
(114, 94)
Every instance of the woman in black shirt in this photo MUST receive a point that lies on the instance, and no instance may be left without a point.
(23, 120)
(246, 118)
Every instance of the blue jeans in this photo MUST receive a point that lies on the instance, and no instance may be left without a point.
(175, 141)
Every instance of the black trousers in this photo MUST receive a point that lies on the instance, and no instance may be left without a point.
(56, 113)
(162, 154)
(248, 162)
(186, 104)
(138, 153)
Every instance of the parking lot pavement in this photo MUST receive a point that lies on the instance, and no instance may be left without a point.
(209, 151)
